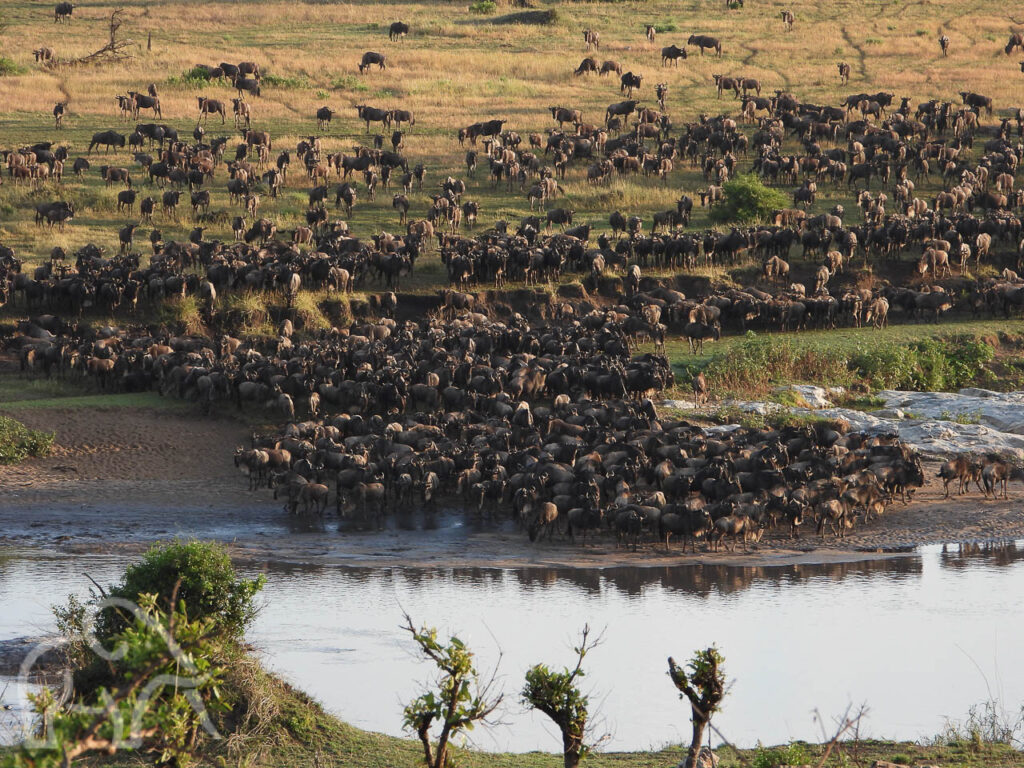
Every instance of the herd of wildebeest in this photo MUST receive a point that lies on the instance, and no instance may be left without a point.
(542, 411)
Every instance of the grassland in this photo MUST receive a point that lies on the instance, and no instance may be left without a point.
(455, 68)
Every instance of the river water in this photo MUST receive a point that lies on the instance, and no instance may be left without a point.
(917, 638)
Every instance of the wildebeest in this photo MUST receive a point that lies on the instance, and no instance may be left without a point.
(323, 117)
(610, 66)
(586, 66)
(787, 20)
(705, 41)
(619, 109)
(369, 59)
(399, 116)
(108, 139)
(672, 53)
(563, 115)
(373, 115)
(397, 30)
(58, 113)
(629, 81)
(242, 113)
(206, 106)
(62, 12)
(963, 470)
(247, 85)
(977, 101)
(844, 72)
(1016, 41)
(591, 38)
(944, 44)
(43, 54)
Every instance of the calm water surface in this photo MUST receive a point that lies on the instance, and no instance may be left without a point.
(918, 639)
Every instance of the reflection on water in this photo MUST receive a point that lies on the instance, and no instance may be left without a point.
(891, 632)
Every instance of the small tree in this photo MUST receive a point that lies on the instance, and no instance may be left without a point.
(702, 682)
(459, 701)
(557, 695)
(746, 199)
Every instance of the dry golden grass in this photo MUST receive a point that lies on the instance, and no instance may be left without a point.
(456, 68)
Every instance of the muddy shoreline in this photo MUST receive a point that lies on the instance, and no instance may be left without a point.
(122, 478)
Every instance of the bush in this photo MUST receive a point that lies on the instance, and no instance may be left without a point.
(206, 584)
(747, 200)
(282, 81)
(9, 67)
(197, 77)
(18, 442)
(667, 27)
(791, 754)
(743, 369)
(483, 7)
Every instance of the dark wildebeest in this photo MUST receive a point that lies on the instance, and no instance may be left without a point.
(398, 30)
(591, 38)
(62, 12)
(977, 101)
(629, 81)
(1016, 41)
(399, 116)
(619, 109)
(787, 20)
(650, 31)
(247, 85)
(705, 41)
(323, 117)
(560, 216)
(563, 115)
(141, 101)
(58, 113)
(586, 66)
(610, 66)
(206, 106)
(249, 68)
(108, 139)
(369, 59)
(43, 54)
(944, 44)
(373, 115)
(672, 53)
(844, 72)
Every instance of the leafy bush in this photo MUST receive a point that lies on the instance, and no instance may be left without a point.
(206, 583)
(747, 200)
(197, 77)
(18, 442)
(9, 67)
(791, 754)
(666, 27)
(483, 7)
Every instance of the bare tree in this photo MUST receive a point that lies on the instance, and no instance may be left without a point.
(116, 50)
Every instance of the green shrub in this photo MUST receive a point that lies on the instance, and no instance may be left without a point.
(792, 754)
(282, 81)
(666, 27)
(196, 77)
(9, 67)
(18, 442)
(206, 583)
(744, 368)
(747, 200)
(483, 7)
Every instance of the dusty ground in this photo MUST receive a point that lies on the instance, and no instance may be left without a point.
(123, 477)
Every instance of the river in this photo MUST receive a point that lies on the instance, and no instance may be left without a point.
(918, 638)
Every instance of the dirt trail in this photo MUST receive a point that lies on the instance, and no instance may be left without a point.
(121, 478)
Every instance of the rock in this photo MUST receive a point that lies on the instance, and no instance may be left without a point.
(890, 413)
(815, 397)
(705, 759)
(679, 405)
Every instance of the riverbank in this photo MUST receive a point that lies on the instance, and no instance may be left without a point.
(123, 476)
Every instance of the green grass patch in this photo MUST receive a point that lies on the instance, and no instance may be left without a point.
(122, 400)
(667, 26)
(483, 7)
(286, 81)
(9, 66)
(18, 442)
